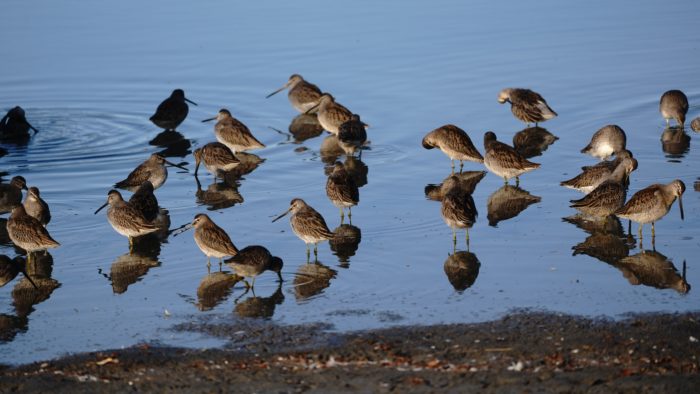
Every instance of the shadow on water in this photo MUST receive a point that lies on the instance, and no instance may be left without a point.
(25, 295)
(174, 144)
(508, 202)
(462, 269)
(311, 279)
(675, 143)
(532, 141)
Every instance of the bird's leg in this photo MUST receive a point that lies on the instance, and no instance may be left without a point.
(349, 215)
(668, 122)
(316, 252)
(461, 165)
(253, 285)
(653, 231)
(505, 180)
(247, 285)
(308, 254)
(517, 181)
(221, 263)
(208, 263)
(342, 215)
(629, 227)
(453, 165)
(467, 239)
(640, 232)
(131, 245)
(454, 241)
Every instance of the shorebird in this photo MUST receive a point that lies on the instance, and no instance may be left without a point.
(457, 208)
(307, 224)
(592, 176)
(28, 233)
(36, 207)
(217, 158)
(454, 142)
(11, 193)
(252, 261)
(211, 239)
(153, 170)
(674, 104)
(232, 133)
(145, 201)
(503, 160)
(302, 95)
(342, 190)
(352, 135)
(610, 195)
(172, 111)
(526, 105)
(606, 142)
(331, 114)
(14, 125)
(652, 203)
(126, 219)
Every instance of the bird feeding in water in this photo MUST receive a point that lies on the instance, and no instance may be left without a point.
(172, 111)
(455, 143)
(674, 105)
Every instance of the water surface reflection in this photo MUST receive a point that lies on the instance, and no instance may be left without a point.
(508, 202)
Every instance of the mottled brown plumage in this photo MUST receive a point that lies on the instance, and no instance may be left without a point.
(145, 201)
(152, 170)
(454, 142)
(652, 203)
(526, 105)
(330, 113)
(11, 193)
(468, 181)
(674, 105)
(126, 219)
(605, 142)
(503, 160)
(532, 141)
(27, 232)
(307, 224)
(462, 269)
(302, 95)
(342, 190)
(651, 268)
(233, 133)
(253, 260)
(508, 202)
(610, 195)
(216, 157)
(36, 207)
(212, 239)
(352, 135)
(172, 111)
(592, 176)
(457, 208)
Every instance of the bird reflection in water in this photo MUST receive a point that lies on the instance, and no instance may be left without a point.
(606, 242)
(675, 143)
(462, 269)
(174, 144)
(219, 195)
(24, 294)
(467, 181)
(10, 268)
(457, 209)
(330, 149)
(214, 288)
(653, 269)
(304, 127)
(311, 279)
(248, 163)
(508, 202)
(131, 267)
(345, 242)
(11, 325)
(532, 141)
(259, 307)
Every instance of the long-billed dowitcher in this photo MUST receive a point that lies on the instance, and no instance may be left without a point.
(36, 207)
(11, 193)
(233, 133)
(592, 176)
(674, 105)
(153, 170)
(212, 239)
(172, 111)
(652, 203)
(302, 95)
(10, 268)
(330, 113)
(454, 142)
(651, 268)
(145, 201)
(252, 261)
(28, 233)
(610, 195)
(14, 125)
(606, 142)
(352, 135)
(503, 160)
(457, 208)
(217, 158)
(342, 190)
(126, 219)
(526, 105)
(307, 224)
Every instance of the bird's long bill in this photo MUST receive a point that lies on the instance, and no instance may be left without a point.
(208, 119)
(276, 91)
(29, 279)
(190, 101)
(33, 128)
(196, 168)
(308, 111)
(100, 208)
(181, 229)
(282, 215)
(680, 205)
(180, 166)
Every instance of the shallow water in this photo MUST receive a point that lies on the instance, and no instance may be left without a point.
(89, 76)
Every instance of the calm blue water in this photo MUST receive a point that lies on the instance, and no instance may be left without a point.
(89, 76)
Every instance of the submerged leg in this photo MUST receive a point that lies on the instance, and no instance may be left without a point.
(221, 263)
(315, 252)
(467, 239)
(454, 240)
(517, 181)
(461, 165)
(653, 231)
(308, 253)
(640, 232)
(342, 215)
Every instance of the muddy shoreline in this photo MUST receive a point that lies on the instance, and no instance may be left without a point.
(520, 352)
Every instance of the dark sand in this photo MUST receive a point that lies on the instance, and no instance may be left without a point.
(524, 352)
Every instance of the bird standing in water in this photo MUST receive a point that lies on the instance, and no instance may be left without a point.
(172, 111)
(233, 133)
(526, 105)
(674, 105)
(307, 224)
(302, 95)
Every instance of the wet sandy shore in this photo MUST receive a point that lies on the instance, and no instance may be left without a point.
(535, 352)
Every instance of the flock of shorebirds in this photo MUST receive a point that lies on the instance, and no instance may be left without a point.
(605, 183)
